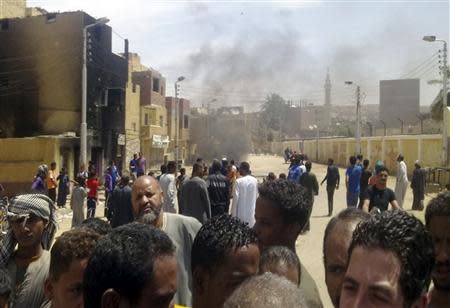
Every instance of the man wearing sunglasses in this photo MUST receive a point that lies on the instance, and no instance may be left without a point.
(379, 196)
(32, 226)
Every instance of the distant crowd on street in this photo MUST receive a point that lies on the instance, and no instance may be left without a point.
(218, 237)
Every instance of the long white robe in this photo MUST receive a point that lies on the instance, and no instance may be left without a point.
(244, 199)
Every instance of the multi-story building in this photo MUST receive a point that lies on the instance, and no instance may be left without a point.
(17, 9)
(153, 115)
(41, 84)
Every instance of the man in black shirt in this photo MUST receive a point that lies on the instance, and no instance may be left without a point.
(120, 211)
(218, 190)
(332, 177)
(364, 182)
(379, 195)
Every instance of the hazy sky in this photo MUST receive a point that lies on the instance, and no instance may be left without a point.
(239, 51)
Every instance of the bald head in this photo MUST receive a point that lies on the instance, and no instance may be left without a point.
(146, 198)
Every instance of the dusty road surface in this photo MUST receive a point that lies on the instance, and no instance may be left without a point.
(309, 246)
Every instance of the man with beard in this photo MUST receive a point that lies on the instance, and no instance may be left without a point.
(437, 218)
(146, 198)
(379, 196)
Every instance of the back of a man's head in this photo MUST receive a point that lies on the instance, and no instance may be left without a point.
(216, 238)
(308, 165)
(266, 291)
(404, 236)
(97, 225)
(171, 166)
(244, 167)
(352, 160)
(290, 198)
(216, 166)
(123, 261)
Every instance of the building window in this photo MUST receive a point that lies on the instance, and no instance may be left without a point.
(133, 125)
(4, 24)
(186, 121)
(146, 119)
(162, 91)
(156, 85)
(161, 121)
(134, 88)
(51, 18)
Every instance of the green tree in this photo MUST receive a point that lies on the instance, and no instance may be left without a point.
(274, 110)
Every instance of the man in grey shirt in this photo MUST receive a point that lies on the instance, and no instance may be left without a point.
(146, 198)
(169, 188)
(194, 198)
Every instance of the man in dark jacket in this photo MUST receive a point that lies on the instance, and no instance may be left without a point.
(418, 183)
(332, 179)
(194, 200)
(120, 211)
(309, 181)
(218, 190)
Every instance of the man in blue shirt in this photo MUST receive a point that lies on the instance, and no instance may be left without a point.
(295, 172)
(352, 182)
(133, 166)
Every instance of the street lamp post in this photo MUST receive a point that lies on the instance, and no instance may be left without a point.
(177, 120)
(385, 127)
(444, 69)
(83, 126)
(421, 123)
(402, 124)
(315, 127)
(358, 117)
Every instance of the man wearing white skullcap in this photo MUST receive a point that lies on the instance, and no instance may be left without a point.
(32, 227)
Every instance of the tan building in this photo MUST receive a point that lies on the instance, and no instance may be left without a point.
(132, 111)
(18, 9)
(154, 138)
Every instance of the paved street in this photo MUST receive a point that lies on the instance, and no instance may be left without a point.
(309, 246)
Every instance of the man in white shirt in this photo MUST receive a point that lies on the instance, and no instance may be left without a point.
(169, 188)
(402, 181)
(244, 195)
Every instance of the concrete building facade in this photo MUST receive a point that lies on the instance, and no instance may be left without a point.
(40, 88)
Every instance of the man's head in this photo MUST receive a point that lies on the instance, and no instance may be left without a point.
(183, 171)
(133, 266)
(163, 169)
(171, 167)
(224, 254)
(359, 157)
(146, 199)
(352, 160)
(400, 157)
(32, 223)
(437, 219)
(330, 161)
(216, 166)
(281, 213)
(282, 261)
(53, 166)
(308, 166)
(336, 241)
(5, 288)
(417, 164)
(244, 168)
(69, 258)
(266, 291)
(125, 178)
(135, 155)
(140, 155)
(97, 225)
(366, 163)
(382, 175)
(390, 263)
(197, 170)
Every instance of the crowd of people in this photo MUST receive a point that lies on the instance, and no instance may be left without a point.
(218, 238)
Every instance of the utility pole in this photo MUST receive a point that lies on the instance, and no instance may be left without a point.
(402, 124)
(444, 71)
(177, 120)
(384, 125)
(444, 104)
(358, 120)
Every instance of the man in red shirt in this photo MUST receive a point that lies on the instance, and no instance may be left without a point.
(92, 185)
